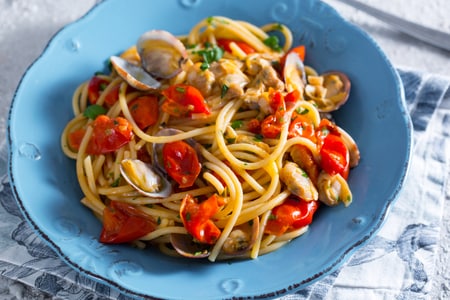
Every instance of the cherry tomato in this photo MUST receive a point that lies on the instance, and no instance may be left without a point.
(112, 97)
(301, 126)
(271, 126)
(293, 213)
(225, 44)
(325, 127)
(124, 223)
(144, 110)
(291, 98)
(182, 100)
(334, 156)
(75, 138)
(196, 217)
(254, 126)
(181, 163)
(108, 135)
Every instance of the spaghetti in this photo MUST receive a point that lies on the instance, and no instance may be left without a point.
(264, 155)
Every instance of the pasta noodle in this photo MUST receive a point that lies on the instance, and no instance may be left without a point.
(264, 156)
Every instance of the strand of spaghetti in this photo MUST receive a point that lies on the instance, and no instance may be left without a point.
(287, 34)
(163, 231)
(236, 196)
(73, 124)
(91, 197)
(290, 235)
(255, 30)
(272, 247)
(256, 210)
(262, 224)
(209, 177)
(156, 139)
(77, 99)
(159, 212)
(113, 83)
(98, 164)
(89, 172)
(231, 182)
(229, 109)
(115, 190)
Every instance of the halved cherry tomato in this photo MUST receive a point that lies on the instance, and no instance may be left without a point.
(124, 223)
(96, 86)
(181, 163)
(182, 100)
(225, 44)
(254, 126)
(291, 98)
(301, 126)
(108, 135)
(334, 156)
(271, 126)
(293, 213)
(196, 217)
(325, 127)
(144, 110)
(113, 96)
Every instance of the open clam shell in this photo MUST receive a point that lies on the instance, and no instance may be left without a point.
(162, 54)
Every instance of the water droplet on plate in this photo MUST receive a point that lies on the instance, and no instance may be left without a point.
(231, 286)
(73, 45)
(29, 151)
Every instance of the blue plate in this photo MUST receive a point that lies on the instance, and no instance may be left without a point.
(46, 188)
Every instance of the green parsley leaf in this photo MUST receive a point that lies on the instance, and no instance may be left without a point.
(180, 89)
(258, 138)
(237, 124)
(224, 90)
(209, 55)
(93, 111)
(116, 182)
(302, 110)
(273, 43)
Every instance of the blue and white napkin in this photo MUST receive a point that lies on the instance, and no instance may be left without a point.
(398, 263)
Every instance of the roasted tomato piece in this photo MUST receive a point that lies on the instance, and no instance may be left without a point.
(196, 217)
(123, 223)
(181, 163)
(293, 213)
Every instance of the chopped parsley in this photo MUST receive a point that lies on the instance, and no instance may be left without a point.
(237, 124)
(180, 89)
(273, 43)
(209, 54)
(258, 138)
(93, 111)
(224, 90)
(302, 110)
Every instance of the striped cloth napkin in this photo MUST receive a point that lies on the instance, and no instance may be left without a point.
(398, 263)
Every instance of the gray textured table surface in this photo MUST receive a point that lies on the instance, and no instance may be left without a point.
(27, 25)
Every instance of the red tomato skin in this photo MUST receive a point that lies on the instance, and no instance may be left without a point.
(123, 223)
(196, 217)
(334, 156)
(109, 135)
(182, 100)
(144, 110)
(293, 213)
(95, 87)
(181, 163)
(301, 126)
(225, 44)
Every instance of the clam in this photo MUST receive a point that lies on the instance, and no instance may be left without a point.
(134, 75)
(329, 90)
(241, 239)
(146, 179)
(333, 189)
(238, 243)
(298, 182)
(157, 148)
(187, 247)
(162, 54)
(294, 73)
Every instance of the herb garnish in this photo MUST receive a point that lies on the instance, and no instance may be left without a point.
(93, 111)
